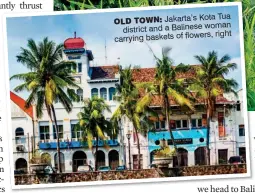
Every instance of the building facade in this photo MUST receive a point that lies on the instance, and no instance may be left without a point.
(189, 129)
(22, 131)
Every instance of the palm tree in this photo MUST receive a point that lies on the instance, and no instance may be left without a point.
(47, 81)
(169, 87)
(210, 82)
(93, 123)
(128, 96)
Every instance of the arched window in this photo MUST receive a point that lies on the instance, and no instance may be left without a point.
(19, 136)
(111, 93)
(79, 159)
(200, 156)
(94, 92)
(103, 93)
(80, 95)
(19, 132)
(21, 164)
(183, 157)
(113, 159)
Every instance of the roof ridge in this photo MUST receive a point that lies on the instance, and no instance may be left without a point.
(20, 102)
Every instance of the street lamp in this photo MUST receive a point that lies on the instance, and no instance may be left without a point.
(128, 137)
(224, 124)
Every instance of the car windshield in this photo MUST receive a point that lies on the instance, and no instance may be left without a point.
(235, 159)
(104, 168)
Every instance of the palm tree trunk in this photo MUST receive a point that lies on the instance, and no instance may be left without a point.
(208, 141)
(96, 164)
(208, 116)
(57, 135)
(167, 109)
(138, 148)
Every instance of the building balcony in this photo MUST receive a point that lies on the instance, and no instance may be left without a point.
(77, 144)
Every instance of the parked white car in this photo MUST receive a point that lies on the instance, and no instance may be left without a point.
(85, 168)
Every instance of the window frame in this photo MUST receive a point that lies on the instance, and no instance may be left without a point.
(102, 94)
(241, 130)
(75, 136)
(79, 67)
(59, 132)
(44, 133)
(80, 95)
(93, 93)
(20, 137)
(111, 94)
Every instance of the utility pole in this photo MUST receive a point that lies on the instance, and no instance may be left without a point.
(224, 125)
(32, 145)
(28, 151)
(28, 146)
(105, 49)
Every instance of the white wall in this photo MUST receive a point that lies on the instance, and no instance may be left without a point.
(21, 120)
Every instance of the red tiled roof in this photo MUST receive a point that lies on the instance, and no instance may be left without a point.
(144, 75)
(104, 72)
(222, 100)
(20, 102)
(148, 74)
(158, 101)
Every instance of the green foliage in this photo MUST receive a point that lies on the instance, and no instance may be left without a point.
(38, 158)
(130, 106)
(93, 122)
(249, 45)
(48, 80)
(128, 97)
(164, 152)
(49, 77)
(248, 14)
(166, 83)
(168, 86)
(210, 79)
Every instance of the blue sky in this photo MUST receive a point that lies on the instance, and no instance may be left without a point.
(96, 28)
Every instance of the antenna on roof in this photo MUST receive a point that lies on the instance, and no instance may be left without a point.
(75, 34)
(105, 52)
(118, 60)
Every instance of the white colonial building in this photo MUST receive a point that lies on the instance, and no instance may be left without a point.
(22, 131)
(226, 136)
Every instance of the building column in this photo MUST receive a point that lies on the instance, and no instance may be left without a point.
(191, 158)
(106, 158)
(121, 160)
(52, 156)
(67, 129)
(69, 160)
(51, 130)
(214, 155)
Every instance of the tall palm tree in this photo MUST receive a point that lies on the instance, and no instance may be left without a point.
(169, 87)
(128, 96)
(93, 123)
(210, 81)
(48, 80)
